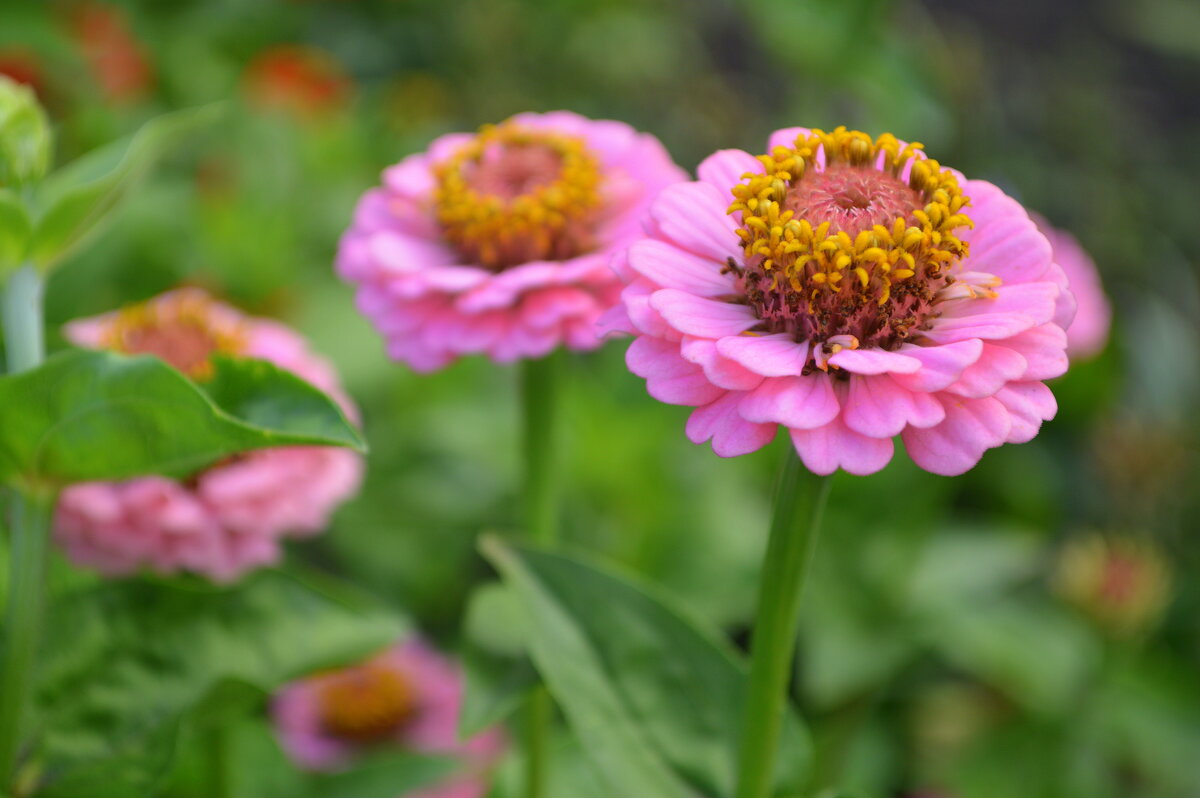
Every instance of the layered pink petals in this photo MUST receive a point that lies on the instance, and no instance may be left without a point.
(968, 381)
(431, 307)
(229, 518)
(436, 686)
(1087, 332)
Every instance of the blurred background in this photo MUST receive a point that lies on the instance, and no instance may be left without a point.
(1029, 629)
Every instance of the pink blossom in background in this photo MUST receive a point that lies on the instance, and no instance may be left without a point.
(498, 242)
(231, 517)
(408, 697)
(854, 290)
(1088, 333)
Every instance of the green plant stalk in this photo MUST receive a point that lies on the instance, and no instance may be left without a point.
(216, 755)
(798, 496)
(29, 530)
(538, 382)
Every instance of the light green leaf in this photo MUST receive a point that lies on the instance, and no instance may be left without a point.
(655, 698)
(499, 674)
(127, 662)
(15, 230)
(77, 198)
(87, 415)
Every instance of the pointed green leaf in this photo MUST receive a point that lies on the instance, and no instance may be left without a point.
(87, 415)
(77, 198)
(644, 686)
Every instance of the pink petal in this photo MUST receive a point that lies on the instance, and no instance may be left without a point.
(1044, 350)
(724, 169)
(879, 408)
(833, 446)
(972, 426)
(1030, 403)
(776, 355)
(731, 434)
(670, 378)
(671, 267)
(728, 374)
(940, 365)
(692, 215)
(875, 361)
(995, 367)
(707, 318)
(786, 137)
(796, 402)
(1010, 247)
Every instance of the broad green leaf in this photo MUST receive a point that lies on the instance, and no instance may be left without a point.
(127, 662)
(86, 415)
(499, 674)
(77, 198)
(15, 230)
(655, 698)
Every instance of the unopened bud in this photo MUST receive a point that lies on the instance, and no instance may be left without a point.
(24, 135)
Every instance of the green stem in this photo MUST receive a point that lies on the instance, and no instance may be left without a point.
(217, 760)
(538, 379)
(29, 529)
(789, 552)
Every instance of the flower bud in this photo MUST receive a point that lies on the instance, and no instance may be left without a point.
(24, 135)
(1122, 583)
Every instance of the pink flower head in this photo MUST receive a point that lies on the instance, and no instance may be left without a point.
(407, 697)
(499, 242)
(230, 517)
(855, 290)
(1088, 333)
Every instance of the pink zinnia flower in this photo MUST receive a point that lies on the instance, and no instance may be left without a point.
(855, 290)
(230, 517)
(498, 242)
(407, 697)
(1088, 332)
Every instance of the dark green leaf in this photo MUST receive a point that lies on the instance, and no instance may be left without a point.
(77, 198)
(87, 415)
(126, 662)
(499, 674)
(655, 698)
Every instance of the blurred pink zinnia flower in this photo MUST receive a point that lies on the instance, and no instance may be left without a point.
(855, 290)
(498, 242)
(408, 697)
(230, 517)
(1088, 332)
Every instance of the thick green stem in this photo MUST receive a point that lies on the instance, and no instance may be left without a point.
(219, 774)
(799, 503)
(538, 381)
(29, 528)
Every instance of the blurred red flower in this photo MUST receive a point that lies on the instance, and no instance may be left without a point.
(297, 79)
(116, 58)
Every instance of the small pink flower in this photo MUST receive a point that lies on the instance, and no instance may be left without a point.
(407, 697)
(1088, 333)
(498, 242)
(231, 517)
(855, 290)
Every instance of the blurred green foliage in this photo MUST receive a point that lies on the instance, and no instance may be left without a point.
(934, 652)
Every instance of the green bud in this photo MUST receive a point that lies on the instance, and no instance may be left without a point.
(24, 135)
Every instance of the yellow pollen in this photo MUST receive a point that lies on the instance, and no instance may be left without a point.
(365, 703)
(182, 329)
(812, 257)
(514, 194)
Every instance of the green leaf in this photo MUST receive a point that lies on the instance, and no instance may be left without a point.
(499, 674)
(128, 661)
(77, 198)
(655, 698)
(15, 231)
(87, 415)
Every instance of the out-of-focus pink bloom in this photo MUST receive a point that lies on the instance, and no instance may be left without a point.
(231, 517)
(1088, 333)
(498, 242)
(407, 697)
(298, 79)
(855, 290)
(117, 60)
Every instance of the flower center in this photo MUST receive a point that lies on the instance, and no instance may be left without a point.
(184, 329)
(514, 195)
(849, 241)
(366, 703)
